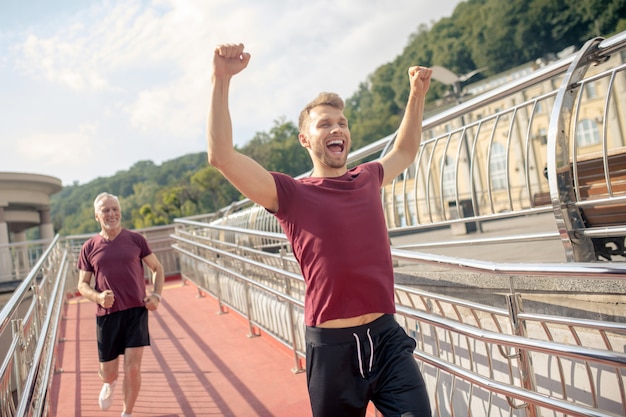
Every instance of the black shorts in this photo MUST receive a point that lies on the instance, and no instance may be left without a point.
(346, 368)
(120, 330)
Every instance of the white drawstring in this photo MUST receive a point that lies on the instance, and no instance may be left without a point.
(358, 351)
(371, 349)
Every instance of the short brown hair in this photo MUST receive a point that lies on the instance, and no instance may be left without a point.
(322, 99)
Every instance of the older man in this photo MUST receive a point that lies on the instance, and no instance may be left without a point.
(115, 256)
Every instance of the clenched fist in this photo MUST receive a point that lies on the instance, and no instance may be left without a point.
(229, 59)
(106, 299)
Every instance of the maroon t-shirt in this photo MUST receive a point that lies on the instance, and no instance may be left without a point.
(338, 234)
(117, 266)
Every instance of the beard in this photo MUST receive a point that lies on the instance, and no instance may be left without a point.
(334, 162)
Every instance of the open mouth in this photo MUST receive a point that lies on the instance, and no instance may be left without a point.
(336, 145)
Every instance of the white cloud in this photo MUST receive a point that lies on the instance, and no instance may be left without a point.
(137, 73)
(70, 151)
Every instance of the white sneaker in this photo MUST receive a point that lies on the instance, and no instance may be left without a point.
(106, 395)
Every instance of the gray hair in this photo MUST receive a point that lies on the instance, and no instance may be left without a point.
(104, 196)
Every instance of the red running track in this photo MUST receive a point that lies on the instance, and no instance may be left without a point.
(200, 363)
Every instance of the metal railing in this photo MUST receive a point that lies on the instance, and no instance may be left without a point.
(17, 259)
(477, 359)
(29, 324)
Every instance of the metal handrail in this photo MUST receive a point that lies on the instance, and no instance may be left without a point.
(600, 271)
(9, 310)
(28, 364)
(34, 399)
(233, 265)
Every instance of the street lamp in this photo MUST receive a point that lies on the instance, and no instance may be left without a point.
(447, 77)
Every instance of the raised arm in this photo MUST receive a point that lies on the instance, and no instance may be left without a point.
(409, 136)
(248, 176)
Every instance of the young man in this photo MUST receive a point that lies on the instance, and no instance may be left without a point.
(355, 350)
(116, 256)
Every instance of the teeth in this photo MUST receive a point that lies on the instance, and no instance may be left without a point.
(336, 142)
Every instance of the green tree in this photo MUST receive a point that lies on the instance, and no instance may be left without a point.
(279, 149)
(212, 190)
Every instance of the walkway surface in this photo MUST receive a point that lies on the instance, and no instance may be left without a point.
(200, 363)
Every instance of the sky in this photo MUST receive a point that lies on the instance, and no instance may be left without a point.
(88, 88)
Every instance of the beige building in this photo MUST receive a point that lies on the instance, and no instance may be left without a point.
(498, 160)
(24, 203)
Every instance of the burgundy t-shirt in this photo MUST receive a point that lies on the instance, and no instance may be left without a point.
(117, 266)
(338, 234)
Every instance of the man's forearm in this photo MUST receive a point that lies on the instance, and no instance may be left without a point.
(219, 124)
(158, 277)
(88, 292)
(410, 131)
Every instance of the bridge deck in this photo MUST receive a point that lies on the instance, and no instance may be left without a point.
(200, 363)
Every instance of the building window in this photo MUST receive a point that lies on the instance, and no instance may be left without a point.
(587, 133)
(541, 136)
(400, 212)
(590, 89)
(449, 179)
(409, 217)
(497, 166)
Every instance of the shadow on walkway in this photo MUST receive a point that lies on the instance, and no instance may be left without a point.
(200, 363)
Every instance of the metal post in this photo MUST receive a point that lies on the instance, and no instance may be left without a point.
(525, 364)
(568, 217)
(21, 370)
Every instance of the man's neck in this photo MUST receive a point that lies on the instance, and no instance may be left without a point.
(327, 172)
(110, 234)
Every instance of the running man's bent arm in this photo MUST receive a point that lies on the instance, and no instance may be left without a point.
(104, 298)
(409, 135)
(84, 286)
(248, 176)
(158, 275)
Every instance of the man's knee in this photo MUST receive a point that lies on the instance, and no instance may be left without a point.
(108, 371)
(133, 370)
(132, 363)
